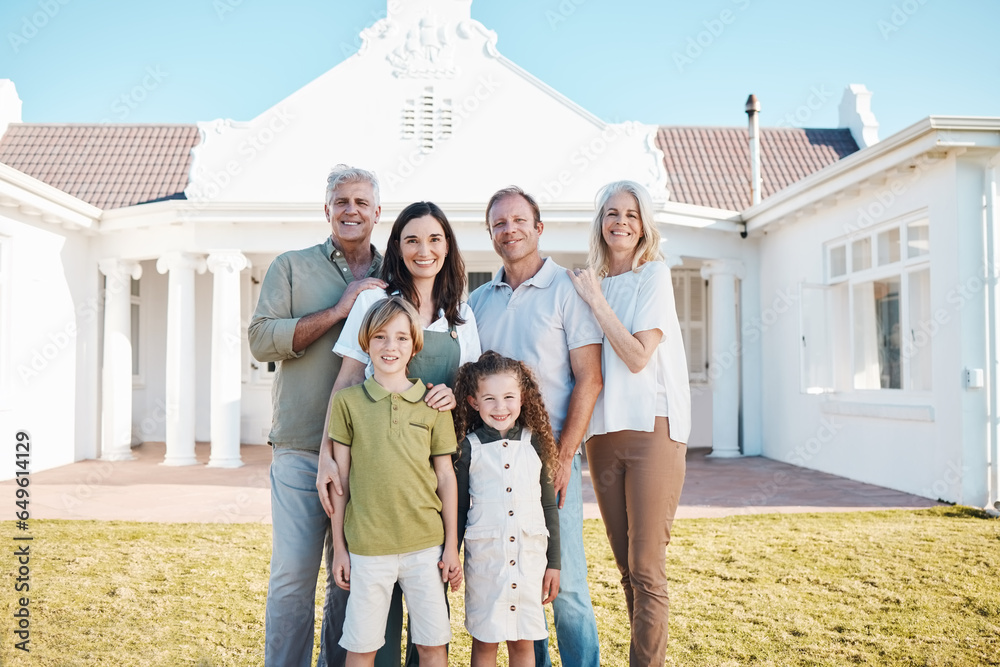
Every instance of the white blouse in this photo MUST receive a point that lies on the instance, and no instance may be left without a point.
(348, 345)
(644, 300)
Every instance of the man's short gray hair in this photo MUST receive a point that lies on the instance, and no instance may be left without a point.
(343, 173)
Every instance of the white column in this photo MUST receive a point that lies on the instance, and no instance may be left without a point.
(227, 348)
(724, 368)
(180, 395)
(116, 374)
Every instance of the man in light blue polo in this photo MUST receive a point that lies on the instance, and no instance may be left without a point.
(530, 311)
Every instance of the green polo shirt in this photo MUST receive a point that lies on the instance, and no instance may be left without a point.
(394, 507)
(299, 283)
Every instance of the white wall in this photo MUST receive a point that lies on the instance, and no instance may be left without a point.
(51, 315)
(892, 447)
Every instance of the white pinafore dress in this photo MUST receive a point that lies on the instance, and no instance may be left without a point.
(505, 541)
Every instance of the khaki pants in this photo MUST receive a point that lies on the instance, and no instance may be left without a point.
(637, 478)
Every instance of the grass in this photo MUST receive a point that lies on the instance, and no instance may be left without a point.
(879, 588)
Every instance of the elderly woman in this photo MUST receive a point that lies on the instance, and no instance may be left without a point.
(642, 418)
(422, 263)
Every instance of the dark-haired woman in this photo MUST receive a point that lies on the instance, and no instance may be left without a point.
(422, 263)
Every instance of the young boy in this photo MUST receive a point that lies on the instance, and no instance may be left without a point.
(400, 496)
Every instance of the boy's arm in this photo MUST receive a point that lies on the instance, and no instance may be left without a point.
(447, 490)
(341, 559)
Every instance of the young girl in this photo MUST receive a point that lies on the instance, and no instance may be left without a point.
(506, 507)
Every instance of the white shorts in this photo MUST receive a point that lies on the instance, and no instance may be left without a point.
(372, 579)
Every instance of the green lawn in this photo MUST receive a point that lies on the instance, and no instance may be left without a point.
(883, 588)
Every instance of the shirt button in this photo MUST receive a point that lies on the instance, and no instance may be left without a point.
(510, 513)
(511, 538)
(395, 407)
(513, 585)
(512, 607)
(504, 443)
(506, 465)
(512, 562)
(344, 268)
(508, 489)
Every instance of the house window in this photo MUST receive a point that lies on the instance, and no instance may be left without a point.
(877, 311)
(691, 300)
(136, 308)
(477, 279)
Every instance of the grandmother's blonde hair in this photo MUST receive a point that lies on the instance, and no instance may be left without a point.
(648, 248)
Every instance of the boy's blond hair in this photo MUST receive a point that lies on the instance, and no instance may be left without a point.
(384, 310)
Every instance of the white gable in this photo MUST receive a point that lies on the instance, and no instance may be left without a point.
(429, 104)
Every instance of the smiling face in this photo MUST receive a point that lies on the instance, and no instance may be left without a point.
(514, 230)
(423, 246)
(352, 213)
(621, 226)
(498, 401)
(391, 347)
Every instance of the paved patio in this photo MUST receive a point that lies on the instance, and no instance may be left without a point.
(144, 490)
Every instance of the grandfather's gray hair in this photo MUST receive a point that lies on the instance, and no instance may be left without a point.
(343, 173)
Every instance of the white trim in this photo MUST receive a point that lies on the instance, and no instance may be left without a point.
(934, 133)
(923, 413)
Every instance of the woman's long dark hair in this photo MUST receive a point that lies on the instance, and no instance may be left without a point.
(449, 284)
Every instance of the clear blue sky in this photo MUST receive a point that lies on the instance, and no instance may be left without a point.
(73, 60)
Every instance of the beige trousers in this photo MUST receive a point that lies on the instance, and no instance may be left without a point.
(637, 478)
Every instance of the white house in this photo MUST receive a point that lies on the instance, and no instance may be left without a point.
(846, 321)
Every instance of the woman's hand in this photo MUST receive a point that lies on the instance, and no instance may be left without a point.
(587, 285)
(327, 478)
(440, 397)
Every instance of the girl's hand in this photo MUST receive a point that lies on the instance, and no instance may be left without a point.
(550, 585)
(342, 569)
(451, 568)
(587, 285)
(440, 397)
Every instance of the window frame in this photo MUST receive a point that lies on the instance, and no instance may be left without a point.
(902, 269)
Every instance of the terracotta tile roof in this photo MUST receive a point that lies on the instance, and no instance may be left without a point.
(710, 166)
(108, 166)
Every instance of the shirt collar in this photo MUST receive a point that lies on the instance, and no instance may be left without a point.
(489, 434)
(377, 392)
(542, 278)
(335, 253)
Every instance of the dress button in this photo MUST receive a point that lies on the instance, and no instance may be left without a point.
(510, 513)
(511, 538)
(508, 489)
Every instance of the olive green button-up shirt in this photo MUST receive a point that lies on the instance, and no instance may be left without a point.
(299, 283)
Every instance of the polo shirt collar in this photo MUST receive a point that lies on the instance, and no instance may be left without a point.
(334, 253)
(543, 278)
(377, 392)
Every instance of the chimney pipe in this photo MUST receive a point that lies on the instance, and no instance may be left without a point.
(753, 110)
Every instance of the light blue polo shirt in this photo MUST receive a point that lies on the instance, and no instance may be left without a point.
(538, 323)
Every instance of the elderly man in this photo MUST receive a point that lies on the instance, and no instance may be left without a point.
(305, 297)
(531, 312)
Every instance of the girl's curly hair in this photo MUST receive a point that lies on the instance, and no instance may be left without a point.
(533, 413)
